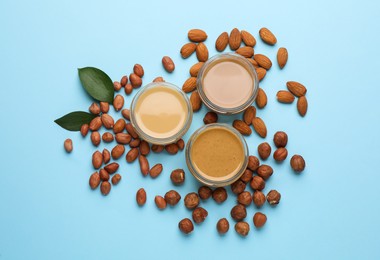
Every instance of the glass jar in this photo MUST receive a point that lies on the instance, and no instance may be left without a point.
(217, 148)
(233, 80)
(161, 113)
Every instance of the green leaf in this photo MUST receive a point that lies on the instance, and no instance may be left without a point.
(97, 83)
(74, 120)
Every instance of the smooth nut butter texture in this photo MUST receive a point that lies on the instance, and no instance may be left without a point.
(161, 112)
(217, 153)
(228, 84)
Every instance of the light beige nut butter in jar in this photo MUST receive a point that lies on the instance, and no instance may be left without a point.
(227, 83)
(161, 113)
(217, 155)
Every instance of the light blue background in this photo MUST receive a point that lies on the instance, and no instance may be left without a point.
(331, 211)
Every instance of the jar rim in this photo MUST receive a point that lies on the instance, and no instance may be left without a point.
(242, 61)
(167, 140)
(214, 182)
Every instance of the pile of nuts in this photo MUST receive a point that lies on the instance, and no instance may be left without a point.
(256, 174)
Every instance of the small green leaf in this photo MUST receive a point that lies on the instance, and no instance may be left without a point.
(97, 83)
(74, 120)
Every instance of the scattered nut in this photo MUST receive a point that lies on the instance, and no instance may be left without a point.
(172, 197)
(155, 170)
(138, 70)
(186, 226)
(116, 179)
(210, 117)
(191, 200)
(94, 180)
(177, 176)
(160, 202)
(258, 198)
(204, 192)
(94, 109)
(297, 163)
(238, 187)
(104, 176)
(95, 138)
(264, 171)
(199, 215)
(264, 150)
(223, 226)
(104, 107)
(238, 212)
(168, 64)
(141, 197)
(157, 148)
(242, 228)
(257, 183)
(219, 195)
(245, 198)
(259, 219)
(105, 188)
(106, 155)
(273, 197)
(280, 139)
(246, 176)
(68, 145)
(280, 154)
(112, 167)
(84, 129)
(253, 163)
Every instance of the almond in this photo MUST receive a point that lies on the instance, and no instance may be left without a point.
(157, 148)
(123, 138)
(106, 155)
(196, 68)
(267, 36)
(94, 109)
(126, 114)
(245, 51)
(261, 98)
(132, 155)
(155, 170)
(144, 148)
(131, 130)
(172, 148)
(168, 64)
(190, 84)
(68, 145)
(107, 137)
(135, 80)
(253, 62)
(94, 180)
(261, 72)
(107, 121)
(221, 42)
(248, 38)
(197, 35)
(118, 102)
(95, 138)
(116, 86)
(97, 159)
(117, 151)
(144, 165)
(202, 52)
(84, 129)
(263, 61)
(104, 107)
(302, 105)
(242, 127)
(259, 126)
(282, 57)
(195, 101)
(188, 49)
(296, 88)
(138, 70)
(284, 96)
(95, 124)
(159, 79)
(235, 39)
(124, 81)
(128, 89)
(112, 167)
(249, 115)
(119, 126)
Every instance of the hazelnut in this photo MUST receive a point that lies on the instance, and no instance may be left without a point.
(258, 198)
(177, 176)
(245, 198)
(104, 176)
(253, 163)
(280, 154)
(199, 215)
(238, 212)
(246, 176)
(160, 202)
(172, 197)
(222, 226)
(264, 150)
(257, 183)
(204, 192)
(219, 195)
(265, 171)
(105, 188)
(191, 200)
(280, 139)
(210, 117)
(259, 219)
(186, 226)
(116, 179)
(242, 228)
(238, 187)
(141, 197)
(297, 163)
(273, 197)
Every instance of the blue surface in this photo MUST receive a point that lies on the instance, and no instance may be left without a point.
(331, 211)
